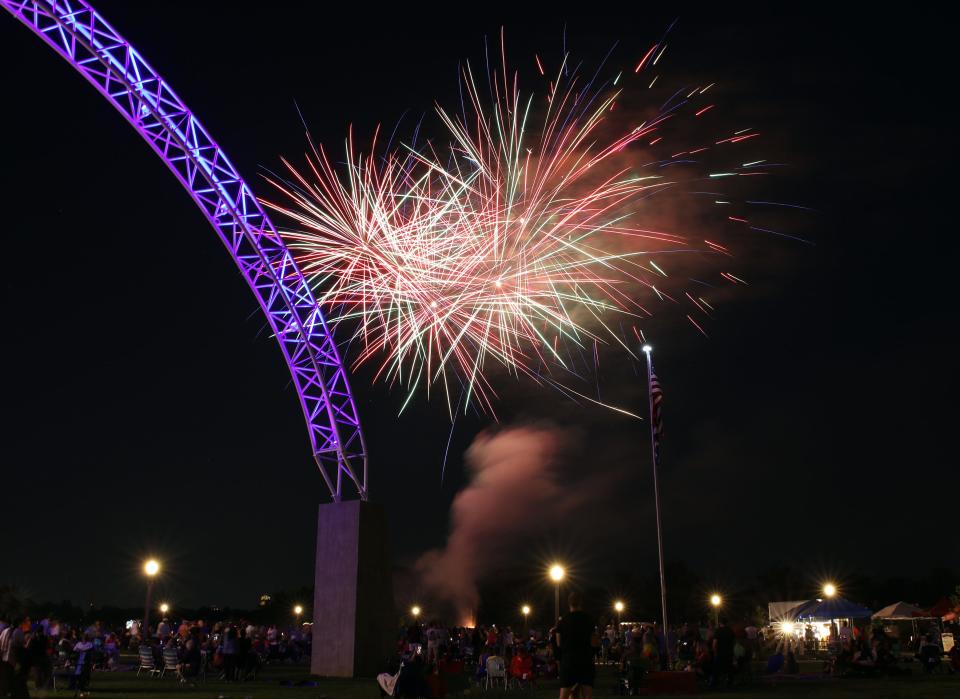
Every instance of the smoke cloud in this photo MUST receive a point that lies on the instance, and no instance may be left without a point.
(514, 491)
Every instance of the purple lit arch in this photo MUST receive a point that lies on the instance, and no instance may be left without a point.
(75, 31)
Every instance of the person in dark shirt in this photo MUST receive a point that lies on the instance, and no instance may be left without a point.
(723, 642)
(574, 633)
(244, 646)
(39, 660)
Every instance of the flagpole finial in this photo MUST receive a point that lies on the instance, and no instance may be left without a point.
(647, 348)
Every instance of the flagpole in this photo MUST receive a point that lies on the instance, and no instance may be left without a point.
(647, 350)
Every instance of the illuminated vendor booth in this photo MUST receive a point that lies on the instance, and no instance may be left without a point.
(812, 624)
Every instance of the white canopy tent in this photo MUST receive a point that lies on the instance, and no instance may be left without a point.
(777, 611)
(903, 615)
(899, 610)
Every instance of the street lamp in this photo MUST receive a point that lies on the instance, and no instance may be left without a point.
(829, 590)
(415, 611)
(151, 568)
(556, 574)
(716, 600)
(525, 610)
(164, 608)
(618, 607)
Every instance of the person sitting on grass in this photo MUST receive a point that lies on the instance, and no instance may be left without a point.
(885, 659)
(865, 658)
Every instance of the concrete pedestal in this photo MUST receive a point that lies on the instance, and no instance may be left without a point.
(355, 622)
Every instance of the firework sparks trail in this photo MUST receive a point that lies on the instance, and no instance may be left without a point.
(523, 234)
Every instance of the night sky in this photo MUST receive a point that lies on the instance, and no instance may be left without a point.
(147, 410)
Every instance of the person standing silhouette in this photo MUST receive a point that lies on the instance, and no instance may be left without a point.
(574, 636)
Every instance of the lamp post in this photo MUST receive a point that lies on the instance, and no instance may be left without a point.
(618, 607)
(786, 630)
(297, 611)
(716, 600)
(150, 568)
(164, 608)
(525, 610)
(829, 592)
(556, 574)
(415, 612)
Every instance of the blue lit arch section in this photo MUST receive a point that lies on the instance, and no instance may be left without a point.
(75, 31)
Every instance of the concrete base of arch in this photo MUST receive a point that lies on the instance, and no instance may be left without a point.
(355, 619)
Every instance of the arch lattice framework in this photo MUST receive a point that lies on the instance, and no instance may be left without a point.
(75, 31)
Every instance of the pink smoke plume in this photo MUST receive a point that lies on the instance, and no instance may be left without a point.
(513, 491)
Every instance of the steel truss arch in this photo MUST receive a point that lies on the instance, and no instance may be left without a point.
(81, 36)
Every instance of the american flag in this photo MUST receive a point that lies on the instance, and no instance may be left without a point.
(656, 414)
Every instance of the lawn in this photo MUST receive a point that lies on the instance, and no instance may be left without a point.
(121, 685)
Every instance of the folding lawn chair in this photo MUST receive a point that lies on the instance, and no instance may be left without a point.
(171, 662)
(146, 661)
(496, 671)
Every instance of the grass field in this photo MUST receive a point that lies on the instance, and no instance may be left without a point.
(121, 685)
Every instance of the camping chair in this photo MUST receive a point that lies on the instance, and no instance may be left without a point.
(388, 682)
(146, 661)
(454, 675)
(521, 674)
(496, 670)
(171, 661)
(527, 681)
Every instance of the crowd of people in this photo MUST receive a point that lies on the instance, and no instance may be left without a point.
(233, 651)
(878, 653)
(718, 654)
(573, 648)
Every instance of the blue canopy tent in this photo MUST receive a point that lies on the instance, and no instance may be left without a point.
(827, 609)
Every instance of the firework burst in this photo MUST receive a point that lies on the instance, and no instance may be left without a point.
(520, 233)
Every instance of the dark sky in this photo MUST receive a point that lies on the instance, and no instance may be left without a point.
(148, 410)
